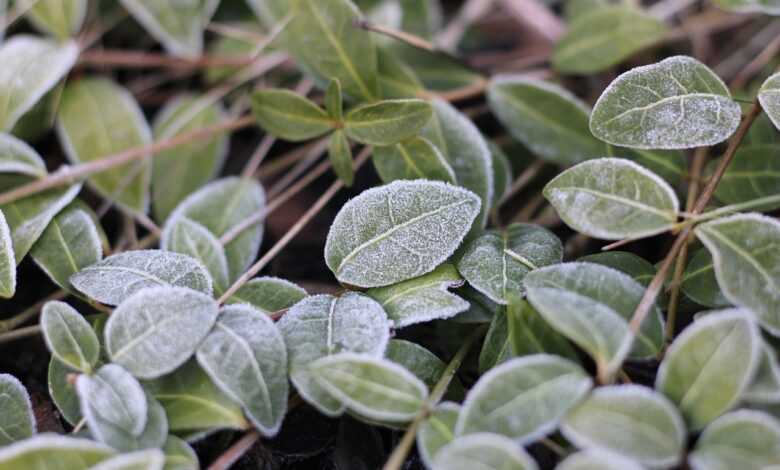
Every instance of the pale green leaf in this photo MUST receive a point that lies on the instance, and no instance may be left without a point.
(62, 392)
(699, 283)
(528, 332)
(18, 157)
(61, 18)
(387, 122)
(573, 9)
(69, 337)
(340, 154)
(744, 440)
(437, 431)
(7, 260)
(425, 365)
(635, 266)
(153, 434)
(290, 116)
(150, 459)
(399, 231)
(17, 421)
(765, 387)
(179, 455)
(111, 397)
(612, 199)
(769, 94)
(597, 460)
(768, 7)
(674, 104)
(483, 451)
(268, 294)
(190, 238)
(396, 79)
(502, 173)
(42, 450)
(416, 158)
(334, 101)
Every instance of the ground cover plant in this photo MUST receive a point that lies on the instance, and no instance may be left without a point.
(564, 253)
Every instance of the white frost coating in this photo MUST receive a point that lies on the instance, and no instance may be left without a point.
(399, 231)
(7, 260)
(31, 67)
(17, 421)
(769, 97)
(677, 103)
(50, 444)
(322, 325)
(149, 459)
(524, 398)
(69, 336)
(245, 356)
(118, 277)
(484, 451)
(112, 396)
(152, 436)
(612, 199)
(629, 420)
(765, 387)
(743, 439)
(190, 238)
(595, 459)
(18, 157)
(430, 439)
(158, 329)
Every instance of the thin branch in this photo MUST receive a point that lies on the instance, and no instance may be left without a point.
(300, 167)
(403, 36)
(236, 451)
(139, 59)
(754, 67)
(30, 312)
(20, 333)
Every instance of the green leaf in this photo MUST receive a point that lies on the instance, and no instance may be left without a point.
(71, 242)
(149, 459)
(699, 283)
(32, 67)
(18, 157)
(323, 325)
(612, 199)
(765, 387)
(7, 260)
(245, 356)
(675, 104)
(415, 158)
(112, 398)
(769, 94)
(340, 154)
(119, 276)
(61, 18)
(437, 431)
(481, 310)
(592, 305)
(268, 294)
(605, 37)
(290, 116)
(629, 420)
(69, 337)
(768, 7)
(423, 298)
(635, 266)
(193, 164)
(153, 434)
(497, 346)
(177, 25)
(387, 122)
(497, 262)
(484, 451)
(502, 173)
(747, 265)
(98, 118)
(425, 365)
(62, 392)
(399, 231)
(40, 451)
(754, 173)
(396, 79)
(194, 240)
(597, 460)
(375, 388)
(671, 165)
(524, 398)
(709, 365)
(574, 9)
(17, 421)
(545, 117)
(528, 332)
(158, 329)
(179, 455)
(743, 439)
(334, 101)
(438, 71)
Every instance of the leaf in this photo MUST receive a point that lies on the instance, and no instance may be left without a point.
(396, 79)
(465, 149)
(635, 266)
(61, 18)
(546, 118)
(769, 94)
(425, 365)
(245, 356)
(743, 439)
(323, 325)
(524, 398)
(68, 452)
(31, 66)
(193, 403)
(71, 242)
(268, 294)
(116, 278)
(592, 305)
(709, 365)
(177, 25)
(158, 329)
(194, 240)
(375, 388)
(481, 310)
(528, 333)
(747, 265)
(69, 337)
(574, 9)
(597, 460)
(387, 122)
(754, 173)
(150, 459)
(98, 118)
(334, 101)
(674, 104)
(631, 421)
(497, 262)
(340, 155)
(191, 165)
(605, 37)
(671, 165)
(497, 346)
(62, 392)
(437, 431)
(423, 298)
(179, 455)
(153, 435)
(422, 18)
(7, 260)
(483, 451)
(699, 283)
(112, 398)
(18, 157)
(415, 158)
(17, 421)
(221, 205)
(612, 199)
(399, 231)
(765, 387)
(768, 7)
(502, 173)
(290, 116)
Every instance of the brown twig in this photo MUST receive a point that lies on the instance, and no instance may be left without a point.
(403, 36)
(139, 59)
(236, 451)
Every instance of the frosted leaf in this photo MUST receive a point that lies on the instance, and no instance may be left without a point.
(597, 460)
(767, 7)
(245, 356)
(153, 434)
(372, 387)
(765, 387)
(744, 439)
(437, 431)
(17, 421)
(150, 459)
(156, 330)
(31, 67)
(677, 103)
(69, 337)
(416, 158)
(546, 118)
(524, 398)
(268, 294)
(769, 94)
(612, 199)
(63, 393)
(112, 397)
(745, 254)
(323, 325)
(484, 451)
(422, 299)
(192, 239)
(496, 262)
(387, 122)
(179, 455)
(40, 451)
(709, 365)
(18, 157)
(61, 18)
(425, 365)
(177, 25)
(398, 231)
(629, 420)
(7, 260)
(529, 333)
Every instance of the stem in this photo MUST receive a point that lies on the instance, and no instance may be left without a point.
(139, 59)
(20, 333)
(403, 36)
(236, 451)
(30, 312)
(739, 207)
